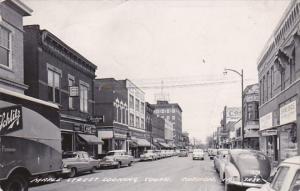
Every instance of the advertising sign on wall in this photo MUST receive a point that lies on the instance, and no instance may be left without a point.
(288, 113)
(10, 119)
(233, 113)
(265, 121)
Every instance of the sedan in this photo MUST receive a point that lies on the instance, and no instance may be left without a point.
(287, 177)
(183, 153)
(149, 155)
(220, 161)
(246, 169)
(116, 158)
(198, 154)
(77, 162)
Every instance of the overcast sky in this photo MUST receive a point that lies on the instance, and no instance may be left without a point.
(180, 42)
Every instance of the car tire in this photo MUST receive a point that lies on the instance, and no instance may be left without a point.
(16, 182)
(73, 173)
(93, 170)
(130, 163)
(118, 165)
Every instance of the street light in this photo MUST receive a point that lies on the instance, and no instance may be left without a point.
(241, 74)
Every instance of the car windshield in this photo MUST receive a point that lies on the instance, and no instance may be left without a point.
(149, 151)
(69, 155)
(111, 153)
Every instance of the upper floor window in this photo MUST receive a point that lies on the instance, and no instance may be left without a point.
(83, 98)
(142, 107)
(71, 82)
(53, 86)
(137, 105)
(131, 101)
(252, 111)
(5, 46)
(131, 119)
(137, 122)
(142, 123)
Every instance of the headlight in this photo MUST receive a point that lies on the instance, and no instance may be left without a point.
(65, 166)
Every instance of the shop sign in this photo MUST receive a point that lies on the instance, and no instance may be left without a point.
(251, 97)
(97, 120)
(10, 119)
(265, 121)
(77, 127)
(269, 133)
(105, 134)
(233, 113)
(288, 113)
(74, 91)
(88, 128)
(121, 136)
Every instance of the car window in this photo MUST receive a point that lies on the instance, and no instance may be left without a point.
(85, 155)
(110, 153)
(296, 180)
(69, 155)
(279, 178)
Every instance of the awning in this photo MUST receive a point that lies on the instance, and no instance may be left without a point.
(164, 145)
(142, 142)
(91, 139)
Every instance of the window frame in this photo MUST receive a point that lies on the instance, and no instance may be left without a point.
(53, 86)
(71, 99)
(85, 99)
(9, 49)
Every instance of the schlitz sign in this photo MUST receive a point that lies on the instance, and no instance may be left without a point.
(10, 119)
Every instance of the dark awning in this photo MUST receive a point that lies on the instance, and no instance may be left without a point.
(91, 139)
(164, 145)
(142, 142)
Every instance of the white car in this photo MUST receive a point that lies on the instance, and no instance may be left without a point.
(149, 155)
(287, 177)
(220, 161)
(198, 154)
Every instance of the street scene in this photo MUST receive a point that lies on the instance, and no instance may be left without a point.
(149, 95)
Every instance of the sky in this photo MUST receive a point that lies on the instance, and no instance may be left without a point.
(180, 45)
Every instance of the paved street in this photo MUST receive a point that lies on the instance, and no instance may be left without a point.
(176, 173)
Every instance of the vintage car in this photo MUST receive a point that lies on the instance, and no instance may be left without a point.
(116, 158)
(287, 177)
(212, 153)
(159, 154)
(183, 153)
(149, 155)
(77, 162)
(245, 169)
(198, 154)
(220, 161)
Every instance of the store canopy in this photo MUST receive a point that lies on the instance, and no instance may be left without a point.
(164, 145)
(91, 139)
(142, 142)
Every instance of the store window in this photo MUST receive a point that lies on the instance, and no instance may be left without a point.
(83, 98)
(53, 86)
(288, 142)
(5, 47)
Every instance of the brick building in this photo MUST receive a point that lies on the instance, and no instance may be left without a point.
(279, 74)
(56, 73)
(11, 45)
(173, 113)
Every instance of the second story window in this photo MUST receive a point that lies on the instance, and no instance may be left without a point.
(131, 102)
(71, 82)
(252, 111)
(142, 107)
(131, 120)
(137, 105)
(83, 98)
(53, 86)
(5, 47)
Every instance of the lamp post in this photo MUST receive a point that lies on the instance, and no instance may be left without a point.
(241, 74)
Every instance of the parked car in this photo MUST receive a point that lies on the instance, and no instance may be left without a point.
(116, 158)
(149, 155)
(287, 177)
(245, 169)
(212, 153)
(159, 154)
(198, 154)
(220, 161)
(77, 162)
(183, 153)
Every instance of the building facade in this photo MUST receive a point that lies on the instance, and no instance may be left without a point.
(251, 116)
(168, 133)
(11, 45)
(173, 113)
(111, 103)
(279, 74)
(56, 73)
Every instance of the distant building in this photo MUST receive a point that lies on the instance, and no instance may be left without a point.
(57, 73)
(169, 132)
(251, 116)
(11, 45)
(173, 113)
(185, 139)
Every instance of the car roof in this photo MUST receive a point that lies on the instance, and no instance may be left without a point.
(117, 151)
(293, 160)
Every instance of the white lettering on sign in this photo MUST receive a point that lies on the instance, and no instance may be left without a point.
(265, 121)
(288, 113)
(9, 119)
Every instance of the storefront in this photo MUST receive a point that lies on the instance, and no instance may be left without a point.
(114, 139)
(138, 144)
(279, 142)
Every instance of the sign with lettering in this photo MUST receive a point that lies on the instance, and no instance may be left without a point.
(89, 128)
(10, 119)
(288, 113)
(269, 133)
(265, 121)
(97, 120)
(74, 91)
(233, 113)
